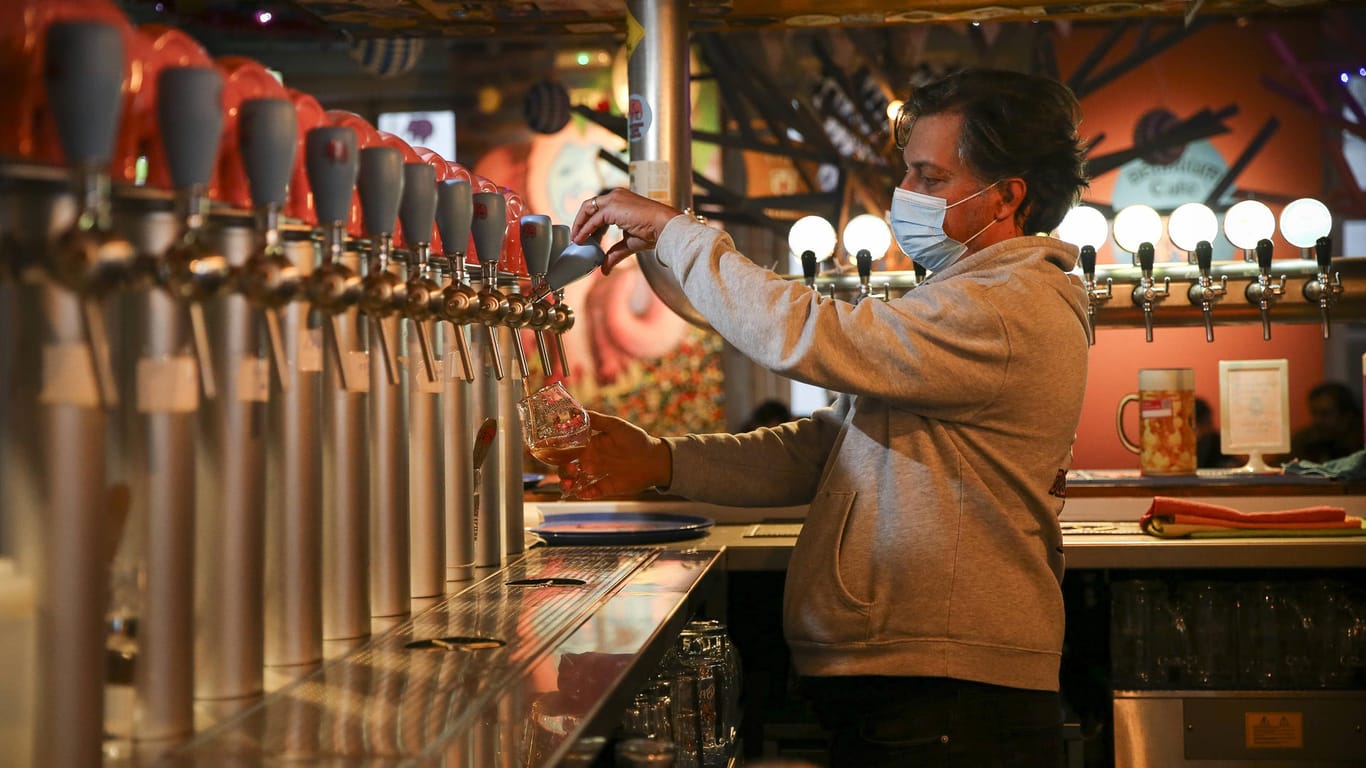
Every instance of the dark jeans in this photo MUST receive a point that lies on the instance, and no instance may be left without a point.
(908, 722)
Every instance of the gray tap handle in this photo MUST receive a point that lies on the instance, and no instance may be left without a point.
(332, 162)
(190, 120)
(536, 242)
(489, 226)
(809, 267)
(83, 71)
(267, 135)
(381, 187)
(454, 212)
(1264, 253)
(574, 262)
(1088, 261)
(417, 208)
(1204, 256)
(559, 240)
(1323, 253)
(1146, 256)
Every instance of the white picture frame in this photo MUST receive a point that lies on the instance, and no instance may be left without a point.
(1254, 408)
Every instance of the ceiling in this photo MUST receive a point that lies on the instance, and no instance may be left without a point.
(511, 19)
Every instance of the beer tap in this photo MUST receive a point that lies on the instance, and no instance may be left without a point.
(561, 317)
(1148, 294)
(416, 212)
(1191, 227)
(268, 136)
(864, 236)
(332, 161)
(1095, 295)
(1306, 223)
(1137, 227)
(84, 94)
(382, 292)
(488, 227)
(459, 302)
(1323, 289)
(1087, 229)
(1264, 293)
(813, 238)
(537, 237)
(190, 119)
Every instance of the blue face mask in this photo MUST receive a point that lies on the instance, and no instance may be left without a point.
(918, 224)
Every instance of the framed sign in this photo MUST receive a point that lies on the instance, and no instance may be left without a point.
(1254, 400)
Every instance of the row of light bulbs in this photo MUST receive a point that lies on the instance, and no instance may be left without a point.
(1302, 223)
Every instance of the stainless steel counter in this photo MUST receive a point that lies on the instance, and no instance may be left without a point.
(510, 671)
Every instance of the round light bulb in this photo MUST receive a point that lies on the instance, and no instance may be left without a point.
(1304, 221)
(1136, 225)
(867, 232)
(812, 233)
(1083, 226)
(1190, 224)
(1247, 222)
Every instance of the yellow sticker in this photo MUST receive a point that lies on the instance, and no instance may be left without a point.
(634, 33)
(1273, 730)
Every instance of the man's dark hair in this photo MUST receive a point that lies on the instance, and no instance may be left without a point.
(1014, 124)
(1341, 395)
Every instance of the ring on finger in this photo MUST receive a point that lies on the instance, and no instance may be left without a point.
(594, 201)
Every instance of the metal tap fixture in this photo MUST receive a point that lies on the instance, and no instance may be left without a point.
(83, 87)
(190, 120)
(1205, 293)
(537, 237)
(1148, 294)
(561, 317)
(1264, 293)
(459, 302)
(488, 227)
(332, 162)
(1323, 289)
(382, 292)
(1096, 295)
(416, 212)
(864, 261)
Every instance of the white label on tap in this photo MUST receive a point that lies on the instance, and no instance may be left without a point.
(357, 371)
(253, 380)
(310, 350)
(69, 376)
(168, 384)
(651, 178)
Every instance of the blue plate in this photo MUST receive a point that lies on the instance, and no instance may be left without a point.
(621, 527)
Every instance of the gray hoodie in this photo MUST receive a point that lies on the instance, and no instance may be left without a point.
(931, 546)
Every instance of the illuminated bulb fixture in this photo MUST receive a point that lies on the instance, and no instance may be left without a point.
(1192, 224)
(1304, 221)
(867, 238)
(1137, 227)
(1248, 222)
(1087, 229)
(812, 239)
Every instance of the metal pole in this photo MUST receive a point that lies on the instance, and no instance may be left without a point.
(510, 390)
(390, 591)
(458, 455)
(427, 532)
(488, 548)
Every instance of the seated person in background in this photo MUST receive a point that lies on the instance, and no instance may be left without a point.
(1207, 445)
(1335, 430)
(769, 413)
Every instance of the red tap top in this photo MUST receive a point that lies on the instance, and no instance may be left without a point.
(243, 79)
(512, 259)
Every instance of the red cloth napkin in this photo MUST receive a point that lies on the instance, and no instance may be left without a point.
(1168, 516)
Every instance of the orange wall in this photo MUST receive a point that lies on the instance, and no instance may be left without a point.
(1217, 66)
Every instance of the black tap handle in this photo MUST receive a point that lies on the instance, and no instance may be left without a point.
(536, 241)
(809, 267)
(83, 71)
(489, 226)
(332, 162)
(864, 260)
(267, 133)
(454, 210)
(1088, 260)
(1204, 255)
(190, 121)
(1145, 257)
(1264, 253)
(417, 207)
(1323, 252)
(380, 183)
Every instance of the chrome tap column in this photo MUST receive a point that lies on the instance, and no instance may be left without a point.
(427, 510)
(494, 389)
(537, 239)
(383, 296)
(1265, 292)
(332, 160)
(454, 211)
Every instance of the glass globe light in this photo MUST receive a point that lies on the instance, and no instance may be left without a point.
(1304, 221)
(1247, 222)
(1083, 226)
(1191, 224)
(812, 233)
(867, 232)
(1136, 225)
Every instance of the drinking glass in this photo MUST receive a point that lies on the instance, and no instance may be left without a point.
(556, 430)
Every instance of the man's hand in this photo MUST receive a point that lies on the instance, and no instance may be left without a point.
(626, 458)
(640, 219)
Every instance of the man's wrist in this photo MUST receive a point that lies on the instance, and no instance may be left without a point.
(664, 464)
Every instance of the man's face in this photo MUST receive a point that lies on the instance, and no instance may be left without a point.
(933, 167)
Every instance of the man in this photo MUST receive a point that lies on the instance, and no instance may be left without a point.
(922, 605)
(1335, 426)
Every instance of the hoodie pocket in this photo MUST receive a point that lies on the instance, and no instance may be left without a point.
(818, 605)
